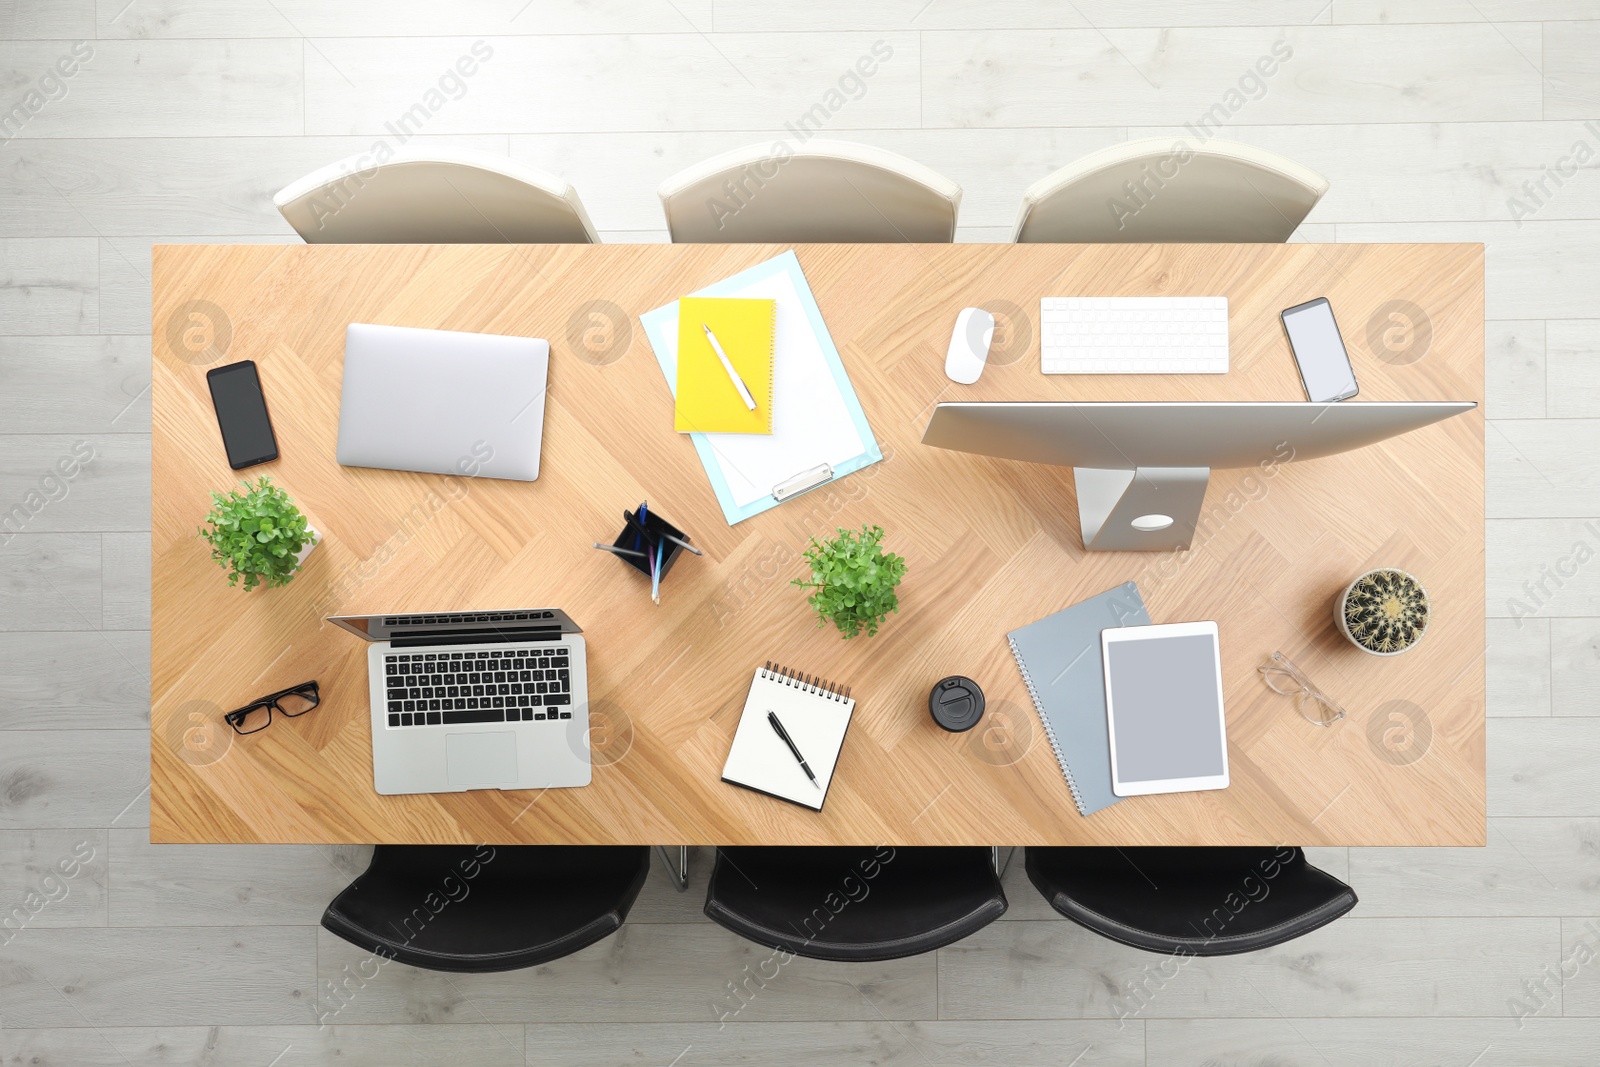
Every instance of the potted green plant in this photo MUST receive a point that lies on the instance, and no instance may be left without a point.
(853, 580)
(1384, 612)
(258, 535)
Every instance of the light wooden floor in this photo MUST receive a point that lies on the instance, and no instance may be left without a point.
(1427, 116)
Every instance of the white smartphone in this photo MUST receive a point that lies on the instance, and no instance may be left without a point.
(1325, 371)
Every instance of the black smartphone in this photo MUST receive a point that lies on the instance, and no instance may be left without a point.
(1325, 370)
(242, 414)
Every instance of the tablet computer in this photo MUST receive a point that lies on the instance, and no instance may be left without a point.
(1164, 708)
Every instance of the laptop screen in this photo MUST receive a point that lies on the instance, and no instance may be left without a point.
(442, 402)
(531, 622)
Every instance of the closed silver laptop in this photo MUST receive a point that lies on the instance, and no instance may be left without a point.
(476, 700)
(441, 402)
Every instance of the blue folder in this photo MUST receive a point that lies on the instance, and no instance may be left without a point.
(660, 328)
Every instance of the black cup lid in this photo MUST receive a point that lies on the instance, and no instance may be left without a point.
(956, 703)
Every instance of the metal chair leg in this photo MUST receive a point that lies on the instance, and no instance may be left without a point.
(1001, 865)
(679, 873)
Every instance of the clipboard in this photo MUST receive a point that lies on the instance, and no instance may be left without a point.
(819, 432)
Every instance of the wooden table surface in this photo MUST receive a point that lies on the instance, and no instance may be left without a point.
(991, 545)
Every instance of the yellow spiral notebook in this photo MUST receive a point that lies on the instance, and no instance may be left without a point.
(707, 399)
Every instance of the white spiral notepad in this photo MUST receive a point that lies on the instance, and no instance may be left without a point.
(816, 715)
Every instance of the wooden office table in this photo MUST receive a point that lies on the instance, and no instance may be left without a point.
(991, 545)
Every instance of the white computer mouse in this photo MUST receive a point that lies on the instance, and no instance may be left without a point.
(969, 345)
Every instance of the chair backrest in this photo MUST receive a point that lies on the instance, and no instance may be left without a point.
(906, 900)
(1167, 190)
(821, 191)
(489, 908)
(434, 197)
(1190, 901)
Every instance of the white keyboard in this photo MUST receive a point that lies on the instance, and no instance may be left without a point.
(1134, 334)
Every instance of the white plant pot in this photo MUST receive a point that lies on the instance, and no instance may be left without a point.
(305, 549)
(1344, 628)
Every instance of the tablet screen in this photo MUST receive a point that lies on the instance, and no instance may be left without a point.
(1164, 700)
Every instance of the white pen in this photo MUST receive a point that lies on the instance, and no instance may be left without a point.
(744, 393)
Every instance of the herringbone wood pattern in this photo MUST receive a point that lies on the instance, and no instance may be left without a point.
(991, 546)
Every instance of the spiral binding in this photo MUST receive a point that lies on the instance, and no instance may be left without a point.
(808, 683)
(1050, 735)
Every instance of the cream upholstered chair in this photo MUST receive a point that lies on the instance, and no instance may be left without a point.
(434, 197)
(819, 191)
(1167, 190)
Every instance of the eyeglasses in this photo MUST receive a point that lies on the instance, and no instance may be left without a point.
(257, 715)
(1313, 704)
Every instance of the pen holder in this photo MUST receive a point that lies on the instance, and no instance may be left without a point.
(630, 538)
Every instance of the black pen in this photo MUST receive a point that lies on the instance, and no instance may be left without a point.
(804, 766)
(640, 530)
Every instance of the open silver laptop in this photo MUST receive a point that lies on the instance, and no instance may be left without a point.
(476, 700)
(441, 402)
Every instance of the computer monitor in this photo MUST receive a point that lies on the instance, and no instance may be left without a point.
(1141, 468)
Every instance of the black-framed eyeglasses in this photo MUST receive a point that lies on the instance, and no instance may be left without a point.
(257, 715)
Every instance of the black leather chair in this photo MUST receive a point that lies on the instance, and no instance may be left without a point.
(487, 907)
(854, 904)
(1190, 901)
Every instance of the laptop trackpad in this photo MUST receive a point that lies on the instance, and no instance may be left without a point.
(481, 761)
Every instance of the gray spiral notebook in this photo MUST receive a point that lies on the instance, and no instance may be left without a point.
(1059, 657)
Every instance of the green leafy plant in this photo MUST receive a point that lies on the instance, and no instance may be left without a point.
(854, 580)
(256, 534)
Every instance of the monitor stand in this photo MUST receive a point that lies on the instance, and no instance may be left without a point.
(1150, 509)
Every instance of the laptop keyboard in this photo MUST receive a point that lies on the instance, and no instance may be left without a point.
(451, 688)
